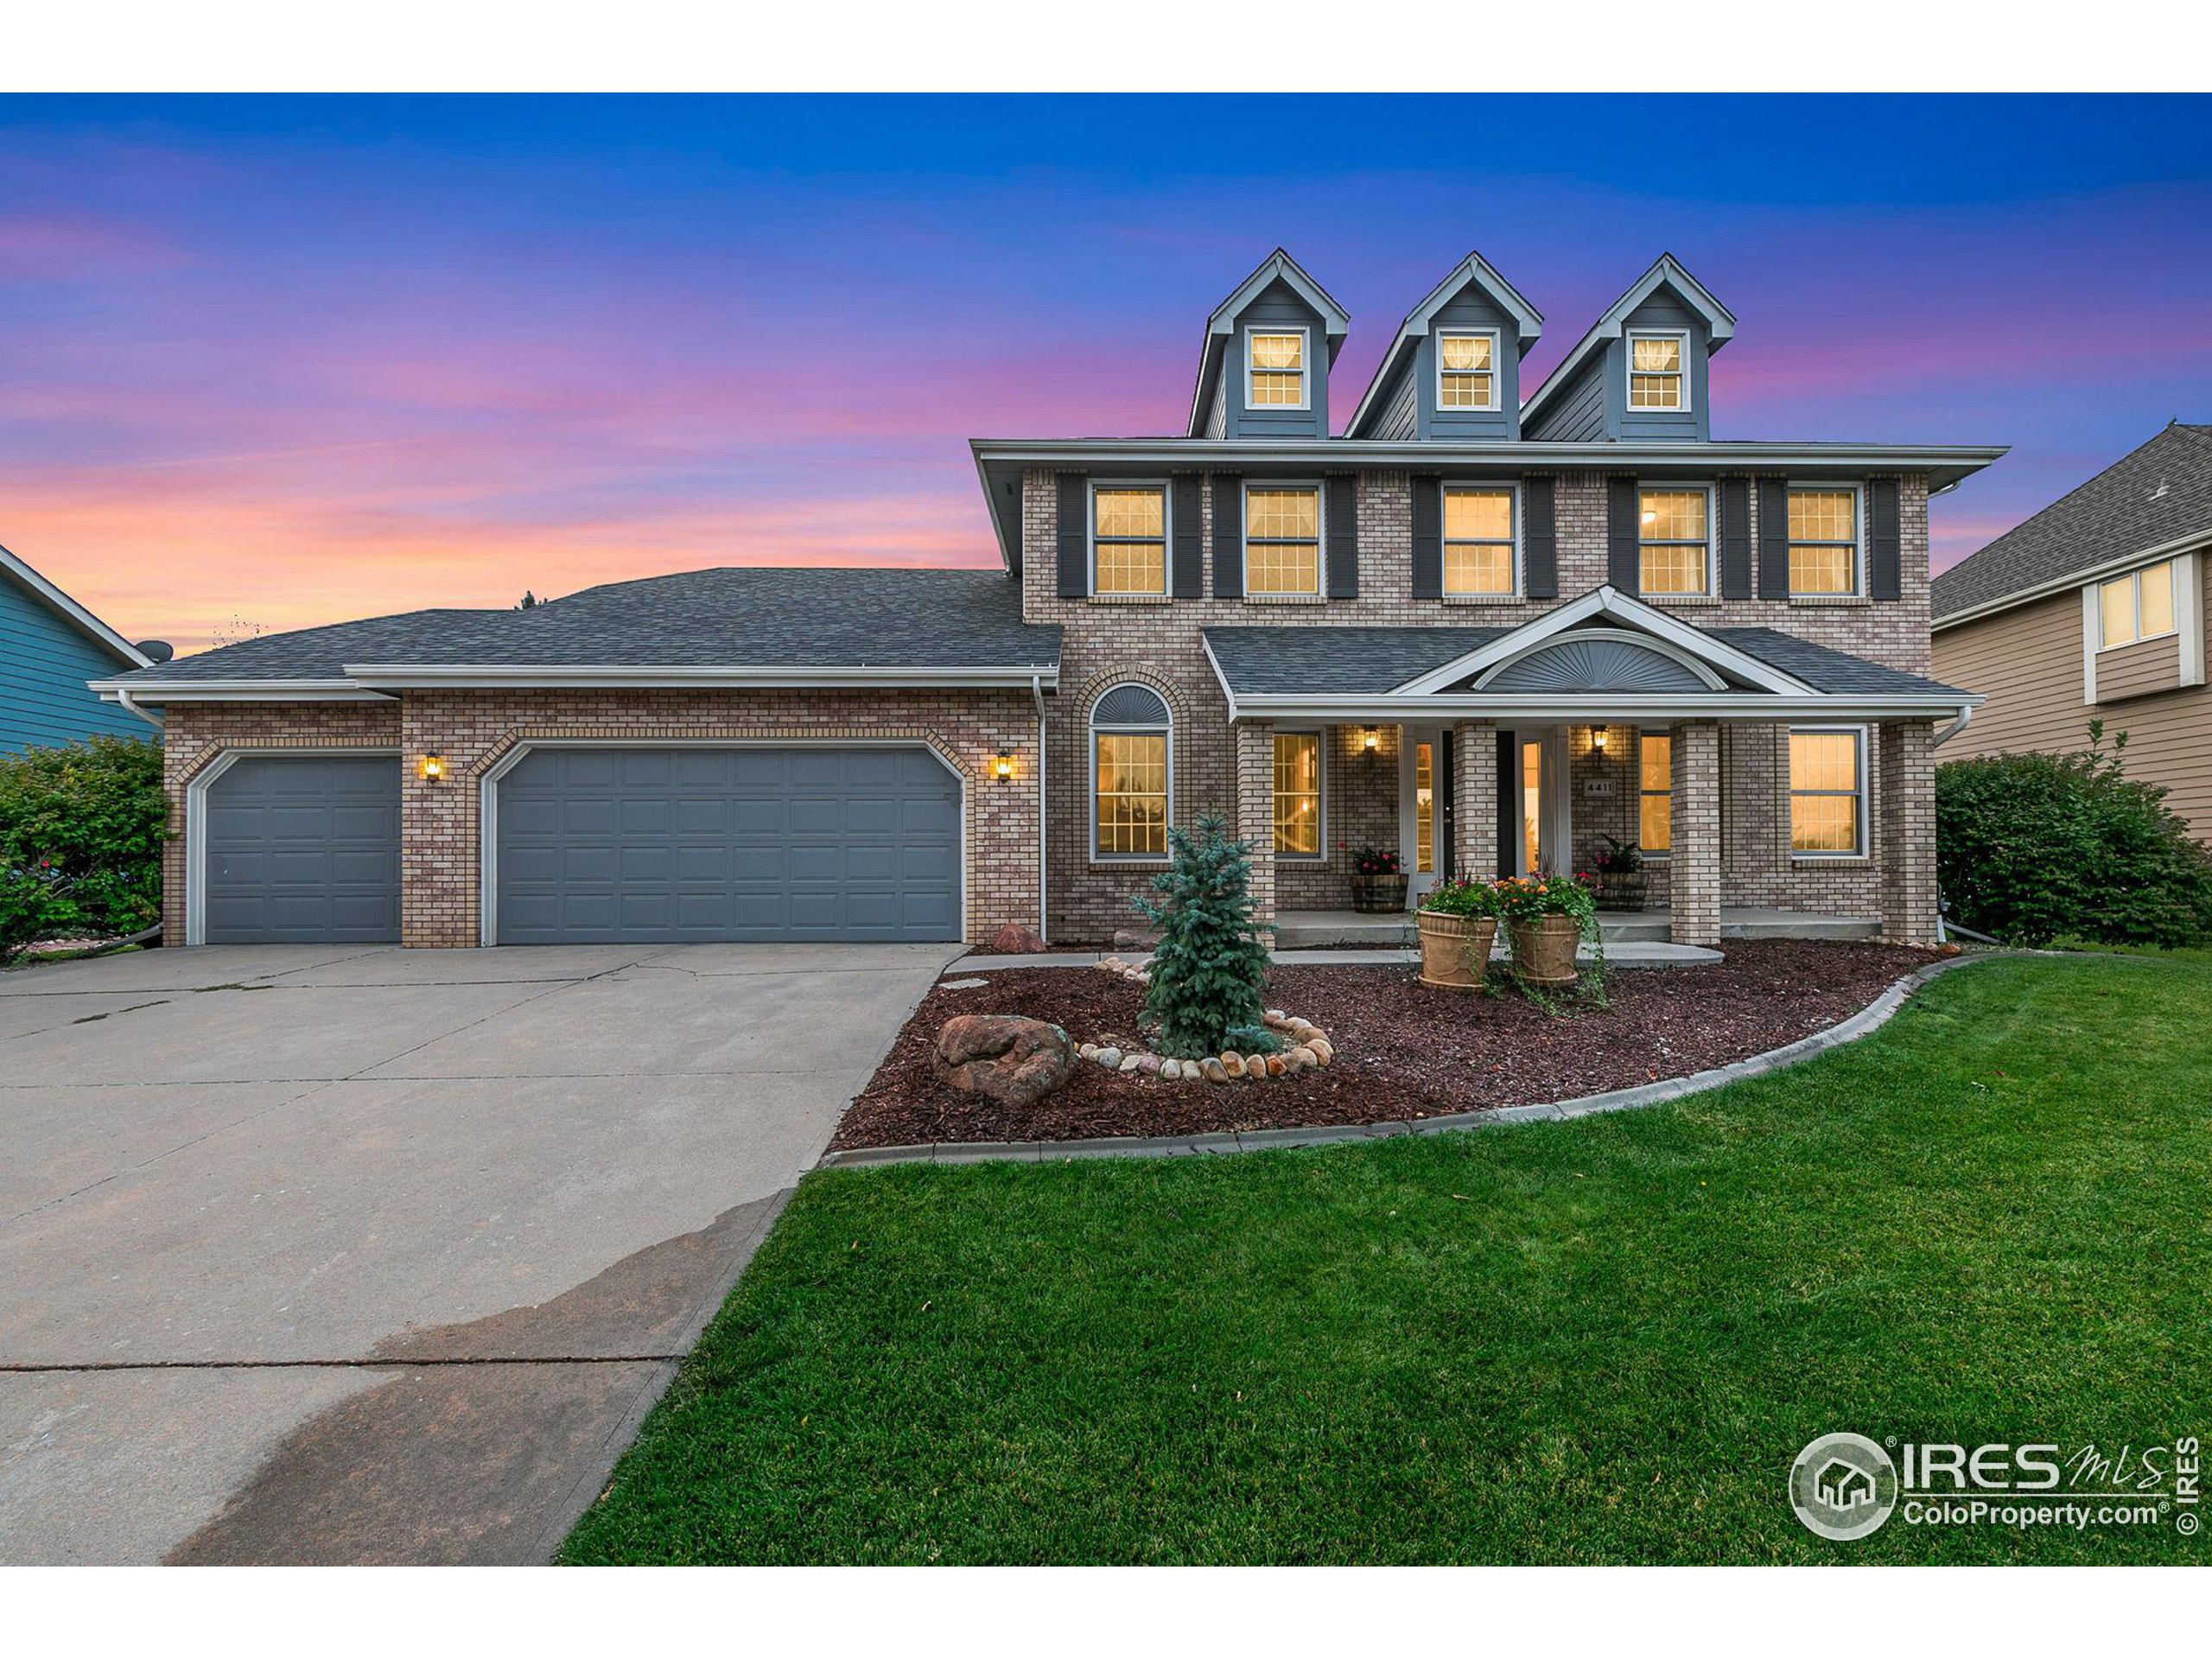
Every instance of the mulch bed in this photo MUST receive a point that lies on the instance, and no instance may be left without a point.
(1404, 1050)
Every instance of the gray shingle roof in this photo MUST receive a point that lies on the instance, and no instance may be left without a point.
(2157, 493)
(1370, 662)
(749, 616)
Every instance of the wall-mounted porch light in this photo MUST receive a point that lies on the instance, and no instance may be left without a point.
(432, 767)
(1597, 740)
(1371, 739)
(1002, 767)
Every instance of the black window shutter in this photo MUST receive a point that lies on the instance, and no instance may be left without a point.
(1344, 538)
(1624, 561)
(1429, 538)
(1509, 804)
(1190, 575)
(1075, 536)
(1228, 536)
(1774, 538)
(1540, 538)
(1735, 538)
(1884, 541)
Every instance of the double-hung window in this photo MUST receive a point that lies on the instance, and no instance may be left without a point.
(1130, 776)
(1283, 541)
(1655, 792)
(1479, 542)
(1275, 368)
(1466, 370)
(2138, 605)
(1827, 791)
(1297, 794)
(1675, 553)
(1656, 374)
(1128, 544)
(1824, 540)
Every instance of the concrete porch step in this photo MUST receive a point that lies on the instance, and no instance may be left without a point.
(1349, 930)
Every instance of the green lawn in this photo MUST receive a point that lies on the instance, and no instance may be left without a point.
(1598, 1341)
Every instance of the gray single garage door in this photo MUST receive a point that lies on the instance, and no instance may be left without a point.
(303, 850)
(645, 846)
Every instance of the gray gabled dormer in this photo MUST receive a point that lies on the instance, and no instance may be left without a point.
(1264, 369)
(1454, 369)
(1639, 374)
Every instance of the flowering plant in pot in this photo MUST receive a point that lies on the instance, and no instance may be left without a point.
(1457, 921)
(1378, 881)
(1545, 917)
(1620, 874)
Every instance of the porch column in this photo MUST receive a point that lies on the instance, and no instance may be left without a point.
(1256, 809)
(1907, 830)
(1474, 800)
(1693, 866)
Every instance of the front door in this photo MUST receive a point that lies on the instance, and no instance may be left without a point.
(1425, 809)
(1540, 818)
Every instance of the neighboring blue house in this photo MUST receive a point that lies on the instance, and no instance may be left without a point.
(50, 645)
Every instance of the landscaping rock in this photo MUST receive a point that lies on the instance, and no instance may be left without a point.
(1276, 1066)
(1323, 1050)
(1233, 1064)
(1109, 1057)
(1302, 1057)
(1131, 1063)
(1127, 938)
(1213, 1070)
(1149, 1064)
(1015, 940)
(1172, 1069)
(1004, 1056)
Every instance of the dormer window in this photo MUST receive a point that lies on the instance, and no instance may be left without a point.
(1275, 369)
(1655, 372)
(1466, 370)
(1128, 545)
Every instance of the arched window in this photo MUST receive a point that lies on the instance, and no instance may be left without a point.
(1131, 800)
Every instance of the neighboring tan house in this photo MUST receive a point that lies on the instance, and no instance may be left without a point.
(2095, 609)
(50, 645)
(1484, 631)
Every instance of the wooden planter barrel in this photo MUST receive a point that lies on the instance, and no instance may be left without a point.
(1543, 950)
(1455, 950)
(1376, 895)
(1618, 891)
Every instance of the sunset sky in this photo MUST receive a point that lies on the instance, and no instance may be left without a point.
(279, 362)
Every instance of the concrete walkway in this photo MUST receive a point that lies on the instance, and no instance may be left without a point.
(350, 1253)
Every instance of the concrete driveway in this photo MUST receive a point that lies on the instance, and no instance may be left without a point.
(350, 1253)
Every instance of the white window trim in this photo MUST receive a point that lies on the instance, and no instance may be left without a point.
(1857, 587)
(1789, 790)
(1711, 591)
(1496, 371)
(1167, 536)
(1304, 373)
(1444, 541)
(1320, 536)
(1090, 789)
(1651, 855)
(2134, 581)
(1320, 736)
(1627, 370)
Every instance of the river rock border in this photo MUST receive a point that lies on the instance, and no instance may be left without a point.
(1306, 1047)
(1868, 1019)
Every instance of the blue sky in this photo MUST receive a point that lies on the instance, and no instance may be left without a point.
(294, 360)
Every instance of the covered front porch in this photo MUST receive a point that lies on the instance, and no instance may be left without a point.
(1769, 786)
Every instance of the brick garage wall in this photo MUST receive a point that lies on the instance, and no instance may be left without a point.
(1157, 642)
(196, 734)
(440, 853)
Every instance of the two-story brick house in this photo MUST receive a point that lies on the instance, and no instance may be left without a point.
(1484, 630)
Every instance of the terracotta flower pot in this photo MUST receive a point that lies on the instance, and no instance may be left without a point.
(1544, 950)
(1374, 895)
(1455, 950)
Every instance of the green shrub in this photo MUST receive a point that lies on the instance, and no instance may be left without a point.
(80, 841)
(1211, 962)
(2032, 848)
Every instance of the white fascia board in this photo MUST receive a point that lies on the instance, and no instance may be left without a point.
(1608, 601)
(488, 676)
(1584, 706)
(2195, 541)
(168, 691)
(77, 613)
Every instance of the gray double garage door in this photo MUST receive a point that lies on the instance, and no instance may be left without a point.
(604, 845)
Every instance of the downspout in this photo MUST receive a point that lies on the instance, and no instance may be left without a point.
(1037, 697)
(1954, 729)
(1943, 928)
(131, 703)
